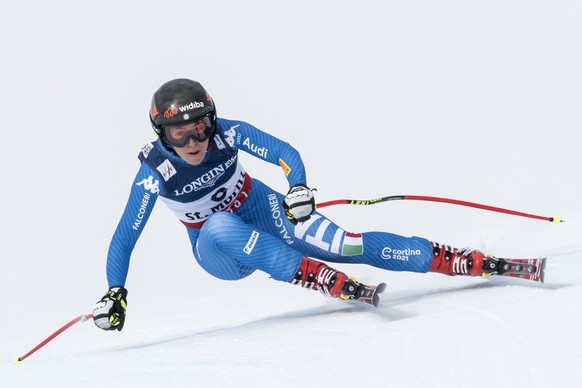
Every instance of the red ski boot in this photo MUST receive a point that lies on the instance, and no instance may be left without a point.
(452, 261)
(315, 275)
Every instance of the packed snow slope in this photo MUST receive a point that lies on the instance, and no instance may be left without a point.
(478, 101)
(429, 331)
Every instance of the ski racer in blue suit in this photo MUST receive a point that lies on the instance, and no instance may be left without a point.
(238, 224)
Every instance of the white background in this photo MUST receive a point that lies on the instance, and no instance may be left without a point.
(477, 101)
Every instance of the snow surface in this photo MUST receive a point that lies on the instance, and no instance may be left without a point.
(477, 101)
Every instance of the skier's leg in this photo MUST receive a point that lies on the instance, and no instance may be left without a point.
(396, 253)
(319, 237)
(229, 249)
(315, 275)
(216, 262)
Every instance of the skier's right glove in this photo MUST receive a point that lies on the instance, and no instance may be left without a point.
(109, 312)
(299, 203)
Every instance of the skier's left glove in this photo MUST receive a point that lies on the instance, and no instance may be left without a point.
(109, 312)
(299, 203)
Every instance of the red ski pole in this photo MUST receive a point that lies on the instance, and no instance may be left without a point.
(80, 318)
(555, 220)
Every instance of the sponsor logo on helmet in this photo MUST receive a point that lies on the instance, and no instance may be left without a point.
(170, 112)
(192, 105)
(155, 110)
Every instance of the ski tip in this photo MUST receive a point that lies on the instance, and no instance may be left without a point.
(16, 360)
(375, 300)
(543, 270)
(379, 289)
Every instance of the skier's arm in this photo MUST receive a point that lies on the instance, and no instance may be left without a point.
(299, 203)
(109, 312)
(143, 196)
(246, 137)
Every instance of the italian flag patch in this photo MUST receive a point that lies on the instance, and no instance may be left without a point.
(353, 244)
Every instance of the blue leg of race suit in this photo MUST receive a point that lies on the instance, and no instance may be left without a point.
(320, 238)
(259, 236)
(230, 249)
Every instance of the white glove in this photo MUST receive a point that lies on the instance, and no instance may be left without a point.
(299, 203)
(109, 312)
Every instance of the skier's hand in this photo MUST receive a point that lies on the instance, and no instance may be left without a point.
(109, 312)
(299, 203)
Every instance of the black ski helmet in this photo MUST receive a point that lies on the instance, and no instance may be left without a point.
(180, 101)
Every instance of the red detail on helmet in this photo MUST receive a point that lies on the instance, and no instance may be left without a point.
(170, 112)
(155, 110)
(208, 98)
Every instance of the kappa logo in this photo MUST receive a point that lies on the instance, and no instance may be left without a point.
(167, 170)
(151, 184)
(230, 134)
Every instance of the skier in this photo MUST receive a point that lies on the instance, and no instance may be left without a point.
(237, 224)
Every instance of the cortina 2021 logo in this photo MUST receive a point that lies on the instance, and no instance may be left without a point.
(399, 254)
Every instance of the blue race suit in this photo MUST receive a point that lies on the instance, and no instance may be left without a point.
(236, 223)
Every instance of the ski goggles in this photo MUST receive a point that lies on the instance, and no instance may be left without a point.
(178, 135)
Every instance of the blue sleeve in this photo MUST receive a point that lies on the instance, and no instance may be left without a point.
(142, 198)
(246, 137)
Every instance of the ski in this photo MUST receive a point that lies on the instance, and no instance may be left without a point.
(529, 269)
(362, 292)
